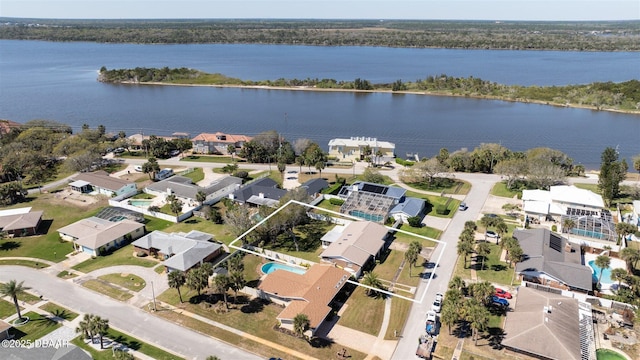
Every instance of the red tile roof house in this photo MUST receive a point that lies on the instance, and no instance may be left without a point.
(94, 235)
(310, 293)
(217, 143)
(20, 222)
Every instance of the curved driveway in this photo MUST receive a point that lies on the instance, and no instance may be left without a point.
(142, 325)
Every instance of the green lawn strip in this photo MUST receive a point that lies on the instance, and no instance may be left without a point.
(252, 264)
(130, 281)
(64, 274)
(209, 159)
(220, 232)
(152, 224)
(457, 187)
(460, 269)
(105, 354)
(400, 309)
(20, 262)
(387, 269)
(143, 347)
(6, 309)
(29, 298)
(325, 204)
(591, 187)
(159, 269)
(122, 256)
(425, 231)
(59, 311)
(363, 313)
(107, 289)
(196, 175)
(37, 327)
(495, 271)
(500, 189)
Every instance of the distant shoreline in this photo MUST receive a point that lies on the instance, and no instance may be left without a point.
(427, 93)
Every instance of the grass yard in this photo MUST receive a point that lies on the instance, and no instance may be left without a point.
(209, 159)
(196, 175)
(388, 269)
(400, 309)
(122, 256)
(64, 274)
(363, 313)
(453, 187)
(219, 231)
(20, 262)
(500, 189)
(495, 271)
(129, 281)
(107, 289)
(6, 309)
(425, 231)
(152, 224)
(130, 342)
(59, 311)
(37, 327)
(434, 201)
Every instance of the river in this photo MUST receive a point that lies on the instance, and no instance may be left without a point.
(57, 81)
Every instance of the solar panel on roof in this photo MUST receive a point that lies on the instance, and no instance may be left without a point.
(376, 189)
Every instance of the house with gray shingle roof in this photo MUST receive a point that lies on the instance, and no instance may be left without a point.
(551, 260)
(102, 183)
(179, 251)
(264, 191)
(186, 191)
(410, 207)
(94, 235)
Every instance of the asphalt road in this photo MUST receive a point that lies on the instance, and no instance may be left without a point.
(142, 325)
(447, 252)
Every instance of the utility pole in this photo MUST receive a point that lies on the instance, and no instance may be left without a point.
(153, 293)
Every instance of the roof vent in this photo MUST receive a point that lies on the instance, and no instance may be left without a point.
(546, 310)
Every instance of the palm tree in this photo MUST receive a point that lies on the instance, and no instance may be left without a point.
(449, 314)
(13, 289)
(478, 317)
(85, 327)
(372, 280)
(603, 262)
(470, 225)
(220, 285)
(465, 248)
(456, 282)
(195, 281)
(300, 324)
(231, 149)
(483, 249)
(631, 256)
(411, 256)
(567, 225)
(618, 275)
(482, 291)
(101, 327)
(501, 229)
(467, 235)
(176, 206)
(176, 279)
(237, 282)
(201, 196)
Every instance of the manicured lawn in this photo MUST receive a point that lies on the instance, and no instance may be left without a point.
(64, 274)
(219, 231)
(196, 175)
(37, 327)
(591, 187)
(28, 263)
(152, 224)
(129, 342)
(6, 309)
(426, 231)
(500, 189)
(105, 354)
(107, 289)
(129, 281)
(389, 268)
(434, 202)
(455, 187)
(363, 313)
(325, 204)
(123, 256)
(59, 311)
(400, 309)
(495, 271)
(209, 159)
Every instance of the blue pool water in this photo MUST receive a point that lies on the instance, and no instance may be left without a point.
(606, 274)
(270, 267)
(141, 203)
(366, 216)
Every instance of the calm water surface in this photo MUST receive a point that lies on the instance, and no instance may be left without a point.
(58, 81)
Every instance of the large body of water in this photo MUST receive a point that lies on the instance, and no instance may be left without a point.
(57, 81)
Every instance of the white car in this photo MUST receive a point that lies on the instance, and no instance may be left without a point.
(439, 297)
(431, 316)
(437, 305)
(138, 168)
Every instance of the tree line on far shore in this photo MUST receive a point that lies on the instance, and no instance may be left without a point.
(623, 96)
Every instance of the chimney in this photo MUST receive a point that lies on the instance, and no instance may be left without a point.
(261, 195)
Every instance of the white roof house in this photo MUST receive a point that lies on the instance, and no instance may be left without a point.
(353, 147)
(558, 199)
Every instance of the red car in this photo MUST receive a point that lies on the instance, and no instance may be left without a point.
(503, 294)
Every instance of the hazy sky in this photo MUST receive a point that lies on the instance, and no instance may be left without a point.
(326, 9)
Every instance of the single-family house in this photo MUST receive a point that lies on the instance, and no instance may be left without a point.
(585, 208)
(218, 143)
(20, 221)
(63, 352)
(546, 325)
(369, 201)
(95, 235)
(263, 191)
(353, 149)
(6, 126)
(186, 191)
(102, 183)
(4, 330)
(315, 186)
(551, 260)
(179, 251)
(359, 243)
(409, 207)
(136, 140)
(310, 293)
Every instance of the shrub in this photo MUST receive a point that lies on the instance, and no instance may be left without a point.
(554, 227)
(141, 254)
(441, 210)
(241, 174)
(154, 208)
(335, 201)
(415, 221)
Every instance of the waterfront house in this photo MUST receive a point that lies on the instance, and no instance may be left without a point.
(186, 191)
(179, 251)
(310, 293)
(95, 235)
(20, 221)
(547, 325)
(102, 183)
(551, 260)
(370, 201)
(353, 149)
(359, 243)
(218, 143)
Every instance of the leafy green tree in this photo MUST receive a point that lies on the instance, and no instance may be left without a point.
(603, 262)
(13, 289)
(176, 279)
(631, 256)
(372, 176)
(415, 221)
(176, 206)
(300, 324)
(612, 172)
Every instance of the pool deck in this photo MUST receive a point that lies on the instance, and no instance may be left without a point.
(615, 263)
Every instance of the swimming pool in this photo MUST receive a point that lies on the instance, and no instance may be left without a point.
(606, 354)
(270, 267)
(366, 216)
(140, 202)
(606, 274)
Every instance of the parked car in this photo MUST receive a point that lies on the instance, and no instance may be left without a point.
(499, 301)
(138, 168)
(503, 294)
(491, 234)
(437, 305)
(463, 206)
(174, 152)
(431, 324)
(439, 297)
(119, 150)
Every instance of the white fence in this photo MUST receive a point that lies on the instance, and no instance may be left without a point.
(159, 215)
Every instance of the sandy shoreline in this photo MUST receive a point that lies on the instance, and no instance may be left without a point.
(427, 93)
